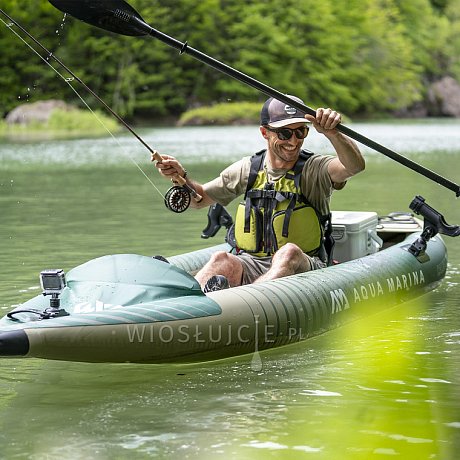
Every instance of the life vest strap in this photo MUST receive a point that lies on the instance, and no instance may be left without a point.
(260, 205)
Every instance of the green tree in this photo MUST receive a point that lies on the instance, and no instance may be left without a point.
(359, 56)
(23, 76)
(383, 70)
(428, 31)
(452, 45)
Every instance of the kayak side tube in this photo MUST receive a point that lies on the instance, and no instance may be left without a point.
(243, 319)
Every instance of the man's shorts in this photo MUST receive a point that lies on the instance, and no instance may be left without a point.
(254, 267)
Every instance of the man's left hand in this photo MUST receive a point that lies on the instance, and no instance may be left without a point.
(325, 121)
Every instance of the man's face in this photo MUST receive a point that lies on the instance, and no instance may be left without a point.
(284, 150)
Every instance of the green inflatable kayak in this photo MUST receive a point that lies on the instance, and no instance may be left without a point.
(133, 308)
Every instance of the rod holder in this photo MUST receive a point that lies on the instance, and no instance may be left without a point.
(433, 223)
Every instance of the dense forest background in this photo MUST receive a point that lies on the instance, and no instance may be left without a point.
(362, 57)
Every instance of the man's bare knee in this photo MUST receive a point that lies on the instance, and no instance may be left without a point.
(292, 259)
(222, 263)
(220, 257)
(289, 251)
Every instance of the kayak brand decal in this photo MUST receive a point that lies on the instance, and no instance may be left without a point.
(340, 300)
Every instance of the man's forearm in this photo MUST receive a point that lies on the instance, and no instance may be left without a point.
(206, 200)
(348, 153)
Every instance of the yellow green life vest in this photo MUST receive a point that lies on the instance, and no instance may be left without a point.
(276, 213)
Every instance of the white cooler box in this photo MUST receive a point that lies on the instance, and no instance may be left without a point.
(355, 234)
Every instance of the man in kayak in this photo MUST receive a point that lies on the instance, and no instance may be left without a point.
(283, 225)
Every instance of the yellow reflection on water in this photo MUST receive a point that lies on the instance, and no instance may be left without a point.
(383, 396)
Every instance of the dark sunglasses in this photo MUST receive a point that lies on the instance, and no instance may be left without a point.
(285, 134)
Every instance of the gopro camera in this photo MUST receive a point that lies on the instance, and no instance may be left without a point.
(52, 281)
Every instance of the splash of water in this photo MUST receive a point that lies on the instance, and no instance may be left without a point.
(61, 27)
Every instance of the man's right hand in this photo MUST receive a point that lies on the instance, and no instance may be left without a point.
(170, 167)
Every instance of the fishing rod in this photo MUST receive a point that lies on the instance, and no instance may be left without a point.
(119, 17)
(178, 197)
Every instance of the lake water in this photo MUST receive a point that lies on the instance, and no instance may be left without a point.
(388, 386)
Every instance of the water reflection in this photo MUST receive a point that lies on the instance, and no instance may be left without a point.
(385, 386)
(201, 144)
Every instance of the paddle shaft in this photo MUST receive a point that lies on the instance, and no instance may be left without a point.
(183, 47)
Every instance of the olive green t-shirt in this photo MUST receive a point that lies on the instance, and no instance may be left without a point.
(315, 183)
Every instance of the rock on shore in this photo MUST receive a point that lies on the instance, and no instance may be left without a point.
(444, 98)
(40, 111)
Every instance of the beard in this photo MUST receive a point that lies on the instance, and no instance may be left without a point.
(285, 151)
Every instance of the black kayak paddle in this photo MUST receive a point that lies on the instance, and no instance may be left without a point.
(119, 17)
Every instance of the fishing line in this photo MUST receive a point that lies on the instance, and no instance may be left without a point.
(69, 81)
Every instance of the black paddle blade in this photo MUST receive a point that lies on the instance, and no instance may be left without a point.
(112, 15)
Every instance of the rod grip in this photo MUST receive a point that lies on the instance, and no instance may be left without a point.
(156, 156)
(178, 179)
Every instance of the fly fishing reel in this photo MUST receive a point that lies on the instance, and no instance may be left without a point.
(179, 196)
(178, 199)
